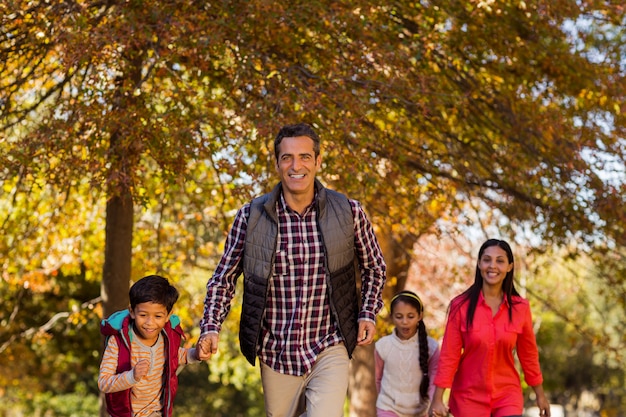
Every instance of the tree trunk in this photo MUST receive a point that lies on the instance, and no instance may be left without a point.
(362, 388)
(117, 260)
(117, 253)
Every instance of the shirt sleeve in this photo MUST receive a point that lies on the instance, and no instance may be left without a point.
(451, 348)
(433, 365)
(108, 378)
(187, 356)
(371, 264)
(527, 351)
(221, 286)
(379, 366)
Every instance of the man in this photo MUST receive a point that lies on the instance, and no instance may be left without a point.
(297, 247)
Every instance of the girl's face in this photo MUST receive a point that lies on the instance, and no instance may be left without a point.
(405, 318)
(493, 266)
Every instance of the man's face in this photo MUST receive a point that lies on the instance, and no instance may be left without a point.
(297, 166)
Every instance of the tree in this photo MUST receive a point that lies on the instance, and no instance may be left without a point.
(423, 107)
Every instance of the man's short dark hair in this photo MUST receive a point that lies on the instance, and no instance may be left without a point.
(292, 131)
(153, 289)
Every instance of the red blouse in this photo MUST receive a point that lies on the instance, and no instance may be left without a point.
(478, 364)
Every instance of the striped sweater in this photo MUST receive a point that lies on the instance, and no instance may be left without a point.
(126, 397)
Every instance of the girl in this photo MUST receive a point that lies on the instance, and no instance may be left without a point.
(406, 361)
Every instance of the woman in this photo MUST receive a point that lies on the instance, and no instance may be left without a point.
(485, 324)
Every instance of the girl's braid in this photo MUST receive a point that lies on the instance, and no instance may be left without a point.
(421, 330)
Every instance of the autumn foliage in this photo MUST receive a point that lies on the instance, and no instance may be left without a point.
(130, 131)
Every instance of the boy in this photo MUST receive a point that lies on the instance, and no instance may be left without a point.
(143, 352)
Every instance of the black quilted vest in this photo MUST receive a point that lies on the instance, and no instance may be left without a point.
(335, 222)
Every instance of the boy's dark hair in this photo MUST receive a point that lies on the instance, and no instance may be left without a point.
(153, 289)
(292, 131)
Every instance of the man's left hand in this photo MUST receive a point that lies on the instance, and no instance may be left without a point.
(367, 330)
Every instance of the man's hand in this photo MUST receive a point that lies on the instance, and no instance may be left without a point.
(367, 330)
(207, 345)
(141, 369)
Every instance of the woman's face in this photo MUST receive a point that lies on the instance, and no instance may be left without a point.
(494, 265)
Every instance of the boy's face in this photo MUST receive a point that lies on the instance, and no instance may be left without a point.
(150, 318)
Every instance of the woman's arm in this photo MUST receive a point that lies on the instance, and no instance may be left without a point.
(437, 407)
(542, 401)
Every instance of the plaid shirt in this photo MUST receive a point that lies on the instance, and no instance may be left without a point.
(297, 324)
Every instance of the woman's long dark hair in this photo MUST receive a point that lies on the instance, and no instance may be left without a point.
(473, 292)
(412, 299)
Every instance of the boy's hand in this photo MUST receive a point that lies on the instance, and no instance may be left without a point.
(202, 350)
(207, 345)
(141, 369)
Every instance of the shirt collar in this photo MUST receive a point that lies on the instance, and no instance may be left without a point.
(285, 208)
(481, 299)
(412, 339)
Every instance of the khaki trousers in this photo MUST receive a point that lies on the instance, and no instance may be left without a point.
(320, 393)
